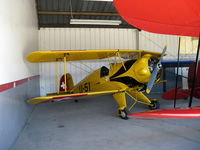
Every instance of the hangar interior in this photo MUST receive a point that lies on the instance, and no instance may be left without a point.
(91, 123)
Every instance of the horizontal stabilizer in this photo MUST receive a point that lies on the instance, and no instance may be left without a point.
(178, 113)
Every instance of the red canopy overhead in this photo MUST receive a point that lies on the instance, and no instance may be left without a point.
(176, 17)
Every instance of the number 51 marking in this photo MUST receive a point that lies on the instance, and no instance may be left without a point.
(84, 87)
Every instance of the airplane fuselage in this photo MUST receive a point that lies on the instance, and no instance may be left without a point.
(133, 74)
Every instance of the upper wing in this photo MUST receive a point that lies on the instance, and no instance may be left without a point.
(72, 55)
(65, 97)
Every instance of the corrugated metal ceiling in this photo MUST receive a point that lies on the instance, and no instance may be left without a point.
(48, 12)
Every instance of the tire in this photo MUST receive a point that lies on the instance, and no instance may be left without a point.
(156, 104)
(123, 114)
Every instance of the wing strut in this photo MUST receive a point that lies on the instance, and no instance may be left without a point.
(139, 55)
(109, 61)
(118, 54)
(57, 77)
(115, 60)
(65, 71)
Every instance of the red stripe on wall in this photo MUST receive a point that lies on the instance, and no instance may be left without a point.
(10, 85)
(6, 86)
(19, 82)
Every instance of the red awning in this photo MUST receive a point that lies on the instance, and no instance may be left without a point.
(176, 17)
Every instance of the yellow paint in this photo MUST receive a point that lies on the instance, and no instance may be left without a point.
(110, 83)
(121, 60)
(109, 61)
(57, 78)
(147, 91)
(139, 95)
(115, 61)
(37, 100)
(65, 72)
(70, 83)
(120, 99)
(51, 56)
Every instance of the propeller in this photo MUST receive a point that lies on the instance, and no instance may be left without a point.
(156, 69)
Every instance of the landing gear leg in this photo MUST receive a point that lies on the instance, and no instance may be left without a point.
(154, 104)
(121, 101)
(123, 114)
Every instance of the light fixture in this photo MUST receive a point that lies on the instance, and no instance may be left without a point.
(100, 0)
(95, 22)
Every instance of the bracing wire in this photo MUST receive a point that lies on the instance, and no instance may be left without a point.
(160, 46)
(79, 67)
(152, 41)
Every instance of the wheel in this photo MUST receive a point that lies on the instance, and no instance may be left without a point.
(123, 114)
(156, 104)
(76, 101)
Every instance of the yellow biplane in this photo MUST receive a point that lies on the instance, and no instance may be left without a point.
(137, 74)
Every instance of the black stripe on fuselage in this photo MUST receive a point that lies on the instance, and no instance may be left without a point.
(130, 82)
(127, 65)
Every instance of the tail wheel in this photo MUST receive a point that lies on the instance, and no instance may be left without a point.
(154, 104)
(123, 114)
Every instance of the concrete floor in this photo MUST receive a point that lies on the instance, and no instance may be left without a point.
(92, 124)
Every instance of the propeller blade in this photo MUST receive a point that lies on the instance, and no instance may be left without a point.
(152, 79)
(163, 53)
(178, 113)
(155, 72)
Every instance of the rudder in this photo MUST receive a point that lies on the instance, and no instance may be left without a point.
(69, 83)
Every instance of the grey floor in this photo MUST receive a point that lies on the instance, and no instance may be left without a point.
(92, 124)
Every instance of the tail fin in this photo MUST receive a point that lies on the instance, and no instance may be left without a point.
(69, 83)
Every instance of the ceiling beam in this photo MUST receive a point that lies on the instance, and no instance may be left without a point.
(77, 13)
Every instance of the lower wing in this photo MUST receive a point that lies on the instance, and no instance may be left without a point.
(66, 97)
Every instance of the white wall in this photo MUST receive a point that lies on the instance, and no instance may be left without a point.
(18, 37)
(86, 38)
(156, 42)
